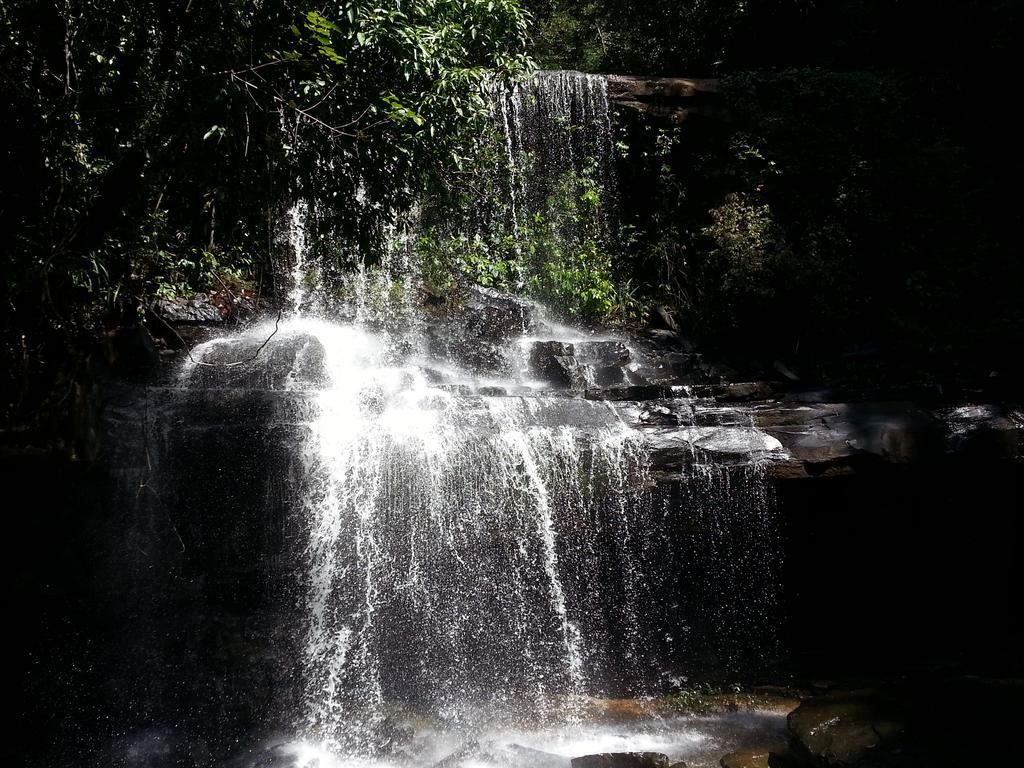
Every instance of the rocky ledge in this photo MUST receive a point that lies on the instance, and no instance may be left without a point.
(936, 722)
(672, 98)
(689, 410)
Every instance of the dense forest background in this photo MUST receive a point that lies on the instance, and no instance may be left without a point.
(858, 215)
(854, 217)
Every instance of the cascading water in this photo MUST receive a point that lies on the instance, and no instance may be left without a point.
(558, 135)
(452, 540)
(476, 547)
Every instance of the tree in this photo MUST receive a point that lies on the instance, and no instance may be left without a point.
(156, 144)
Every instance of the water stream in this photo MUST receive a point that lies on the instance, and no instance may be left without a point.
(480, 555)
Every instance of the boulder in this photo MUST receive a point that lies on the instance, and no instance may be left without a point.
(602, 354)
(739, 392)
(198, 310)
(622, 760)
(555, 362)
(836, 435)
(680, 446)
(491, 314)
(983, 430)
(658, 416)
(844, 727)
(606, 376)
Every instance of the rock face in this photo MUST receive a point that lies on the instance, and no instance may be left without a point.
(674, 98)
(622, 760)
(838, 438)
(845, 727)
(940, 721)
(196, 311)
(490, 344)
(555, 362)
(491, 314)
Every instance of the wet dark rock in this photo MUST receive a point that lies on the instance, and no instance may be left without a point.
(983, 430)
(652, 370)
(492, 392)
(839, 438)
(740, 391)
(658, 416)
(491, 314)
(607, 376)
(292, 362)
(635, 392)
(845, 726)
(555, 362)
(654, 365)
(604, 361)
(602, 353)
(929, 720)
(196, 311)
(677, 447)
(622, 760)
(482, 357)
(825, 434)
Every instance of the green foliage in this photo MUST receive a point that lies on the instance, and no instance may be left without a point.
(653, 37)
(561, 256)
(156, 146)
(567, 251)
(698, 38)
(180, 275)
(449, 260)
(746, 241)
(395, 100)
(832, 213)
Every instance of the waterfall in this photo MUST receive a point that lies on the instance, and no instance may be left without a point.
(450, 539)
(557, 130)
(484, 546)
(477, 557)
(296, 231)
